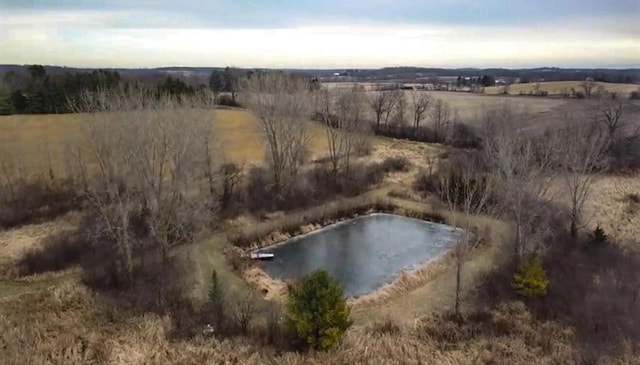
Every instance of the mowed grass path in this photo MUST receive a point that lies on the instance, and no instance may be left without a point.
(41, 141)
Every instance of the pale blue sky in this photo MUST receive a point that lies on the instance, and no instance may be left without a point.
(321, 33)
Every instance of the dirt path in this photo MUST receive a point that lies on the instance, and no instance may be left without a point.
(12, 288)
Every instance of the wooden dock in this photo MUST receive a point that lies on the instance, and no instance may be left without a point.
(261, 256)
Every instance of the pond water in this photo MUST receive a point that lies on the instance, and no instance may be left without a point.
(363, 253)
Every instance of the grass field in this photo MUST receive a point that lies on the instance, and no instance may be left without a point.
(467, 106)
(240, 136)
(40, 141)
(560, 87)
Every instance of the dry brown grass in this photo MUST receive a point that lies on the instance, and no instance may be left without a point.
(610, 207)
(470, 105)
(15, 242)
(558, 87)
(67, 325)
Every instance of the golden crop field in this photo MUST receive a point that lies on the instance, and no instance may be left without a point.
(559, 87)
(41, 140)
(240, 136)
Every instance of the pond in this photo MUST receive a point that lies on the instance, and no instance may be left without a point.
(363, 253)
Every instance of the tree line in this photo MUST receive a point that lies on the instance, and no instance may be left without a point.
(36, 92)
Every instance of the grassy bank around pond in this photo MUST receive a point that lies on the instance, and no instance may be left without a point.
(243, 274)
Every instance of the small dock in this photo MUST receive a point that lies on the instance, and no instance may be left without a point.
(261, 256)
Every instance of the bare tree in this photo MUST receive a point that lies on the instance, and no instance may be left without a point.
(587, 86)
(231, 177)
(395, 97)
(335, 122)
(610, 115)
(343, 116)
(149, 152)
(524, 171)
(244, 310)
(379, 102)
(582, 155)
(421, 102)
(399, 108)
(282, 104)
(465, 189)
(536, 89)
(440, 118)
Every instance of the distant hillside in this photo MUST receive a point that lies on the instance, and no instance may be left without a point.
(627, 76)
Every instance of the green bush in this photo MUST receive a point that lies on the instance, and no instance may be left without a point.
(216, 306)
(317, 311)
(598, 238)
(531, 280)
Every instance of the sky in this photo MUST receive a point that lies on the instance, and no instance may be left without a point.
(321, 33)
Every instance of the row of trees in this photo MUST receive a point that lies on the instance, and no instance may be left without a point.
(399, 116)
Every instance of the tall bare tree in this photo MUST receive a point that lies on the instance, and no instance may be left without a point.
(524, 171)
(465, 188)
(582, 155)
(399, 108)
(379, 102)
(610, 114)
(440, 118)
(360, 126)
(588, 85)
(282, 104)
(342, 113)
(395, 97)
(421, 101)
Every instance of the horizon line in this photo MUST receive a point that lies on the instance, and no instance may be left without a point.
(621, 67)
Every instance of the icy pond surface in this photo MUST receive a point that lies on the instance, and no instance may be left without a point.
(364, 253)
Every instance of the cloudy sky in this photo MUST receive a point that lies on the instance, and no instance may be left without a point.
(321, 33)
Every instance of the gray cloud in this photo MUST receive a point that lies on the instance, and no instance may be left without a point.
(284, 13)
(319, 34)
